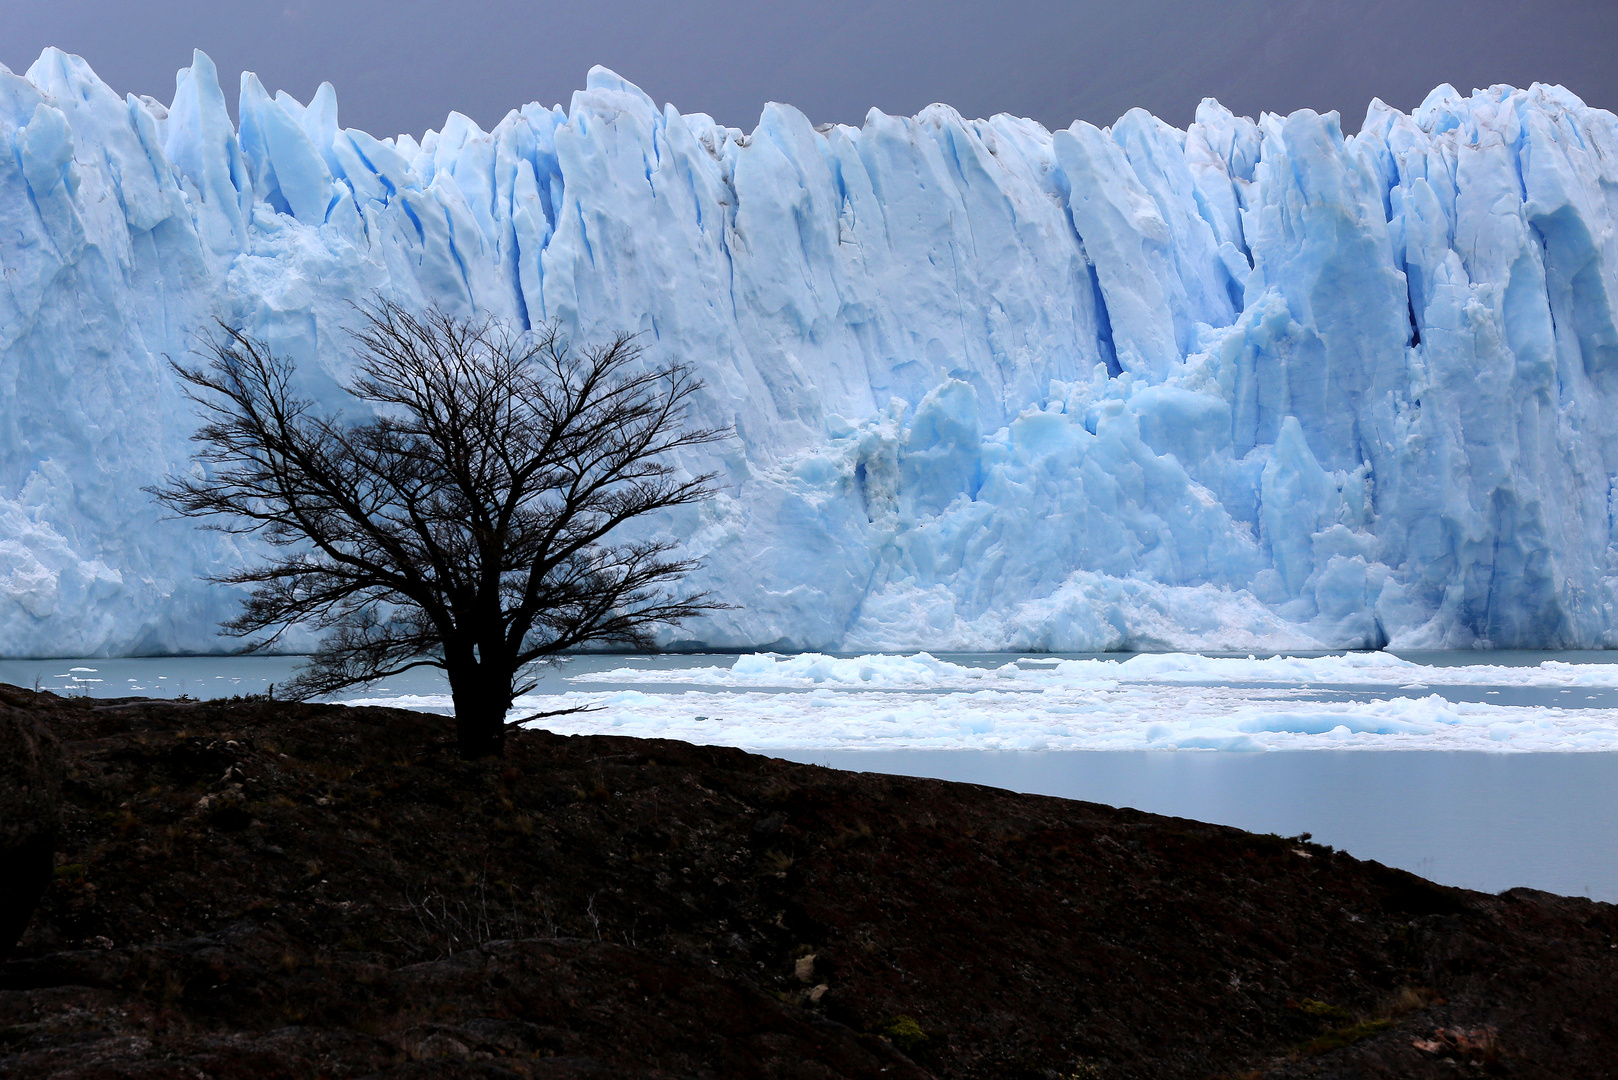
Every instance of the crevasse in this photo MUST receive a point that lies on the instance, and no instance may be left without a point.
(1244, 386)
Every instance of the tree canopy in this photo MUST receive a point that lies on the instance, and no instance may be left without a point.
(474, 523)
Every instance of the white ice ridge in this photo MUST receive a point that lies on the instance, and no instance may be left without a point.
(923, 671)
(1174, 702)
(1247, 386)
(1139, 718)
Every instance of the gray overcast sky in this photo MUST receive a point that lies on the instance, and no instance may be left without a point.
(402, 65)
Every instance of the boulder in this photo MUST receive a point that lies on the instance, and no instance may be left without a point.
(30, 814)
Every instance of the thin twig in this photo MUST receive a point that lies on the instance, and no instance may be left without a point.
(555, 712)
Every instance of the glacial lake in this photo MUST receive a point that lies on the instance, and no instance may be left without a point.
(1482, 769)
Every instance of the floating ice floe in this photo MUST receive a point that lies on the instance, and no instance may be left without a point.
(925, 670)
(1181, 702)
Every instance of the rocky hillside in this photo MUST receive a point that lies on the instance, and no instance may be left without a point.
(252, 889)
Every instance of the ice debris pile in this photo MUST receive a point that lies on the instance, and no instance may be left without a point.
(1244, 386)
(1358, 701)
(926, 673)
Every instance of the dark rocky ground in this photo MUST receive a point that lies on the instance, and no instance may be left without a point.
(255, 889)
(30, 814)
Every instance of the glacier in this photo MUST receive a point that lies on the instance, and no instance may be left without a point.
(1253, 385)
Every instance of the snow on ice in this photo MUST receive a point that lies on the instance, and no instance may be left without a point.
(1251, 385)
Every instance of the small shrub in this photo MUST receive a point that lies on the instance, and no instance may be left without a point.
(1322, 1009)
(903, 1032)
(1338, 1038)
(1409, 999)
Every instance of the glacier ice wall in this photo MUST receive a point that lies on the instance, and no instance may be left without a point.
(1248, 385)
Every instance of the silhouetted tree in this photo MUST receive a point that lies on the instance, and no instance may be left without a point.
(469, 526)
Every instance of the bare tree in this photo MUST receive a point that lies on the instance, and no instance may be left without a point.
(470, 526)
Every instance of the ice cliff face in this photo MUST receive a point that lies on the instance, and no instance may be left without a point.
(1248, 385)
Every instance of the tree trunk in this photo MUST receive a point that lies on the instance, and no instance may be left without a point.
(480, 714)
